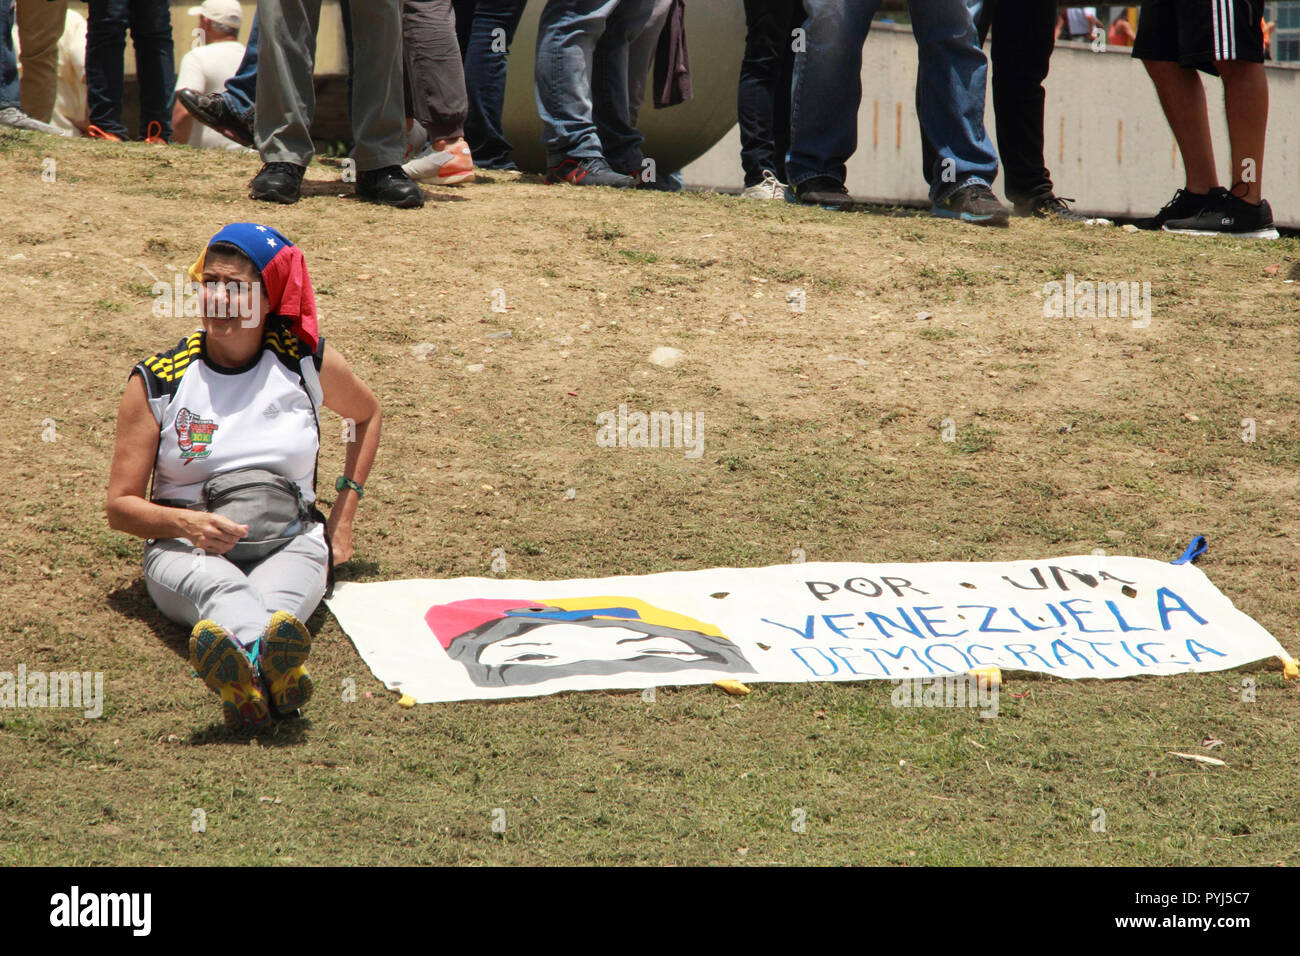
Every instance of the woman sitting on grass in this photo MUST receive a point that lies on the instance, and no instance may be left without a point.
(227, 425)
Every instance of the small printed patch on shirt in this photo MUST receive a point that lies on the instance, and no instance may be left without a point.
(271, 410)
(194, 435)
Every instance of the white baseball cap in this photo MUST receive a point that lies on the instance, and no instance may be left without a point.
(226, 13)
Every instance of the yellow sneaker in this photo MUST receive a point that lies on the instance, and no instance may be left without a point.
(222, 664)
(285, 646)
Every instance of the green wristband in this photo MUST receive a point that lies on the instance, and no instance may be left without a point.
(342, 484)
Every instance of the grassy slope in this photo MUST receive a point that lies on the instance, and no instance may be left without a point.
(1072, 435)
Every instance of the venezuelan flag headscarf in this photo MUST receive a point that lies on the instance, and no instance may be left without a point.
(283, 270)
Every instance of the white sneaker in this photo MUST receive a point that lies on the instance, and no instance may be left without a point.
(769, 188)
(13, 116)
(417, 139)
(441, 167)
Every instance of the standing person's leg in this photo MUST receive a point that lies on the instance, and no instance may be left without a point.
(378, 120)
(40, 24)
(1182, 99)
(345, 11)
(567, 33)
(155, 69)
(757, 92)
(106, 22)
(241, 89)
(950, 89)
(436, 82)
(824, 98)
(611, 99)
(464, 12)
(10, 95)
(434, 68)
(1023, 39)
(1245, 100)
(640, 60)
(286, 93)
(378, 113)
(641, 55)
(1226, 38)
(490, 36)
(794, 17)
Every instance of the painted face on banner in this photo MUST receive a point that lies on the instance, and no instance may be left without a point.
(520, 642)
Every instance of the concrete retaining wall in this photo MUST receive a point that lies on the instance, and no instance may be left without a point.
(1107, 142)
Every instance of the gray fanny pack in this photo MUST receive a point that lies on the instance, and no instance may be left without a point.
(271, 505)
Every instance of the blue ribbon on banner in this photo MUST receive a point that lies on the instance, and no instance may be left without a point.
(1194, 550)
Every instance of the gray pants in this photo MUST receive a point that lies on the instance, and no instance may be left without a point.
(434, 70)
(641, 55)
(190, 586)
(286, 91)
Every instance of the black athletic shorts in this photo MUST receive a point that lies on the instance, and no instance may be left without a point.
(1196, 33)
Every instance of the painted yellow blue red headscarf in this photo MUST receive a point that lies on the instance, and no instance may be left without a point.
(283, 270)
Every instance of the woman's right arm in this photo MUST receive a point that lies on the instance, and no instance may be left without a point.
(129, 509)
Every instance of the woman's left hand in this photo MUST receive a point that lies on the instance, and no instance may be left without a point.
(340, 540)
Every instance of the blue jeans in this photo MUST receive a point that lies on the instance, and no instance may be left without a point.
(950, 87)
(610, 86)
(8, 64)
(485, 80)
(581, 49)
(150, 22)
(241, 89)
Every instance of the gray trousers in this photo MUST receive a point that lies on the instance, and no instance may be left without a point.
(434, 71)
(641, 55)
(190, 586)
(286, 91)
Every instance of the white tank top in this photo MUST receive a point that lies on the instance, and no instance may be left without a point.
(213, 420)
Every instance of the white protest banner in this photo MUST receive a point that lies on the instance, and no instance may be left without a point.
(1078, 617)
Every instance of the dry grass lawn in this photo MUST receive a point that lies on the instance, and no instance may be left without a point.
(823, 430)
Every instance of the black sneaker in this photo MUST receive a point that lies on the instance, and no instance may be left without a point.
(1184, 204)
(212, 110)
(672, 183)
(389, 186)
(277, 182)
(825, 191)
(589, 172)
(974, 203)
(1228, 215)
(1056, 208)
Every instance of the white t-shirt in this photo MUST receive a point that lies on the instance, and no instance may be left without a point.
(213, 420)
(206, 69)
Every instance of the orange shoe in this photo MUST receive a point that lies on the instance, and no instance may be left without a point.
(447, 164)
(154, 134)
(94, 132)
